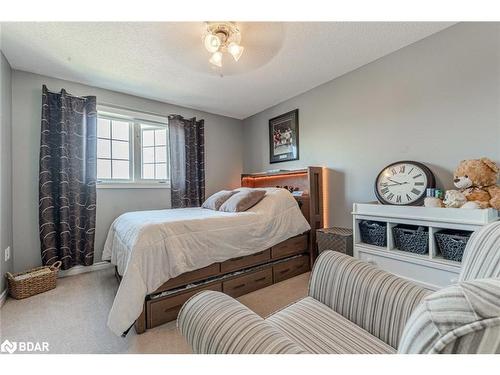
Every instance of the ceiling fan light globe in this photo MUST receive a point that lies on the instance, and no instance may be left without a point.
(235, 50)
(216, 59)
(212, 43)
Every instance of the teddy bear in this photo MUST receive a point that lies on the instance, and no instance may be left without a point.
(433, 202)
(457, 199)
(476, 179)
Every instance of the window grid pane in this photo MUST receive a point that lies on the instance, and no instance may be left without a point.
(161, 137)
(120, 150)
(103, 168)
(148, 154)
(120, 130)
(120, 169)
(103, 148)
(103, 128)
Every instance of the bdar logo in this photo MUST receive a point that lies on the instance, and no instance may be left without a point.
(24, 346)
(8, 347)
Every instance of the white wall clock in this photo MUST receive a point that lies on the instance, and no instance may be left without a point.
(404, 183)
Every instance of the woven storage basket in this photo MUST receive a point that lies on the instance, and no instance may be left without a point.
(373, 232)
(336, 239)
(452, 243)
(411, 238)
(35, 281)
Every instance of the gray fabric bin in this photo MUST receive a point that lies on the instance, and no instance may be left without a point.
(452, 243)
(373, 232)
(337, 239)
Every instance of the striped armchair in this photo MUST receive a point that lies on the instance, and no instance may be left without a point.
(354, 307)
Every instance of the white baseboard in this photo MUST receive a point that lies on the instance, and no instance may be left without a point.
(3, 297)
(84, 269)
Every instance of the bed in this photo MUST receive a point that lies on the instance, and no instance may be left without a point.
(162, 257)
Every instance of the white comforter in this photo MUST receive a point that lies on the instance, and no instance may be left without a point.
(151, 247)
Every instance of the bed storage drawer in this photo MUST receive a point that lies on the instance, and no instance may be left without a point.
(163, 310)
(246, 261)
(290, 268)
(191, 277)
(248, 283)
(295, 245)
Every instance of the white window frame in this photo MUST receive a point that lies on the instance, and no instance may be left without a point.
(138, 150)
(135, 148)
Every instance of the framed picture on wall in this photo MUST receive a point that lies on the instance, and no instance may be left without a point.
(284, 137)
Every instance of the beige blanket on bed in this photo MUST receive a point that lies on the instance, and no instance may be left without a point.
(151, 247)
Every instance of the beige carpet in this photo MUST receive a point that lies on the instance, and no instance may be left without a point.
(72, 317)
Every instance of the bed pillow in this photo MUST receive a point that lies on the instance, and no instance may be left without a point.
(216, 200)
(242, 200)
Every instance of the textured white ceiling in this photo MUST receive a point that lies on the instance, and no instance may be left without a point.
(166, 61)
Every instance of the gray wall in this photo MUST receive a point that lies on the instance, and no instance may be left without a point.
(223, 160)
(5, 168)
(436, 101)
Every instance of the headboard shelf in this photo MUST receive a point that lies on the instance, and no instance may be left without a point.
(275, 173)
(307, 180)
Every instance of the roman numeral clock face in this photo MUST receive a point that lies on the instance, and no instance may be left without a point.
(403, 183)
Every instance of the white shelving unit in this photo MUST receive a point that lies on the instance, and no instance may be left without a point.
(430, 270)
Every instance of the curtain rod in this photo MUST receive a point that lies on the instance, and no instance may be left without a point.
(111, 105)
(67, 93)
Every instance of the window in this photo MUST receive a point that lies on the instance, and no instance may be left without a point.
(154, 152)
(132, 148)
(113, 149)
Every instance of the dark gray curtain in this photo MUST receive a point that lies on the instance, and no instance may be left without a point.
(67, 179)
(187, 161)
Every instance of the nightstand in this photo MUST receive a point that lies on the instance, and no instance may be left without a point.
(337, 239)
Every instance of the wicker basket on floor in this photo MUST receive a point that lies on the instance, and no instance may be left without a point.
(35, 281)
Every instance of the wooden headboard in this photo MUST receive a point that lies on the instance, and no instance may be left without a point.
(308, 180)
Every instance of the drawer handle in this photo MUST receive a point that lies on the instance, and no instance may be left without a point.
(172, 308)
(285, 271)
(261, 279)
(299, 266)
(239, 286)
